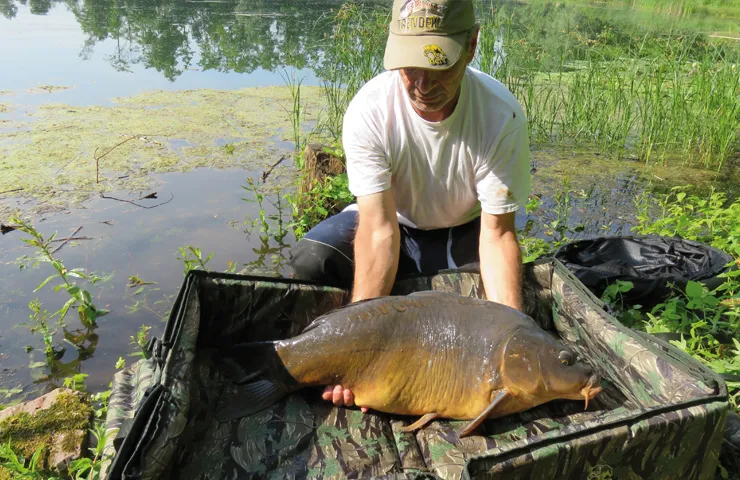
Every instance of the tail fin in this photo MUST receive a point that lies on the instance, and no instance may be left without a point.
(258, 379)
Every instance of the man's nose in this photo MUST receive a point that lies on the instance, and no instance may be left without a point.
(424, 82)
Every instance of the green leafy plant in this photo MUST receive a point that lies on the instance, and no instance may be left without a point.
(87, 468)
(17, 465)
(630, 315)
(40, 323)
(324, 199)
(76, 382)
(80, 297)
(141, 340)
(708, 218)
(271, 226)
(192, 258)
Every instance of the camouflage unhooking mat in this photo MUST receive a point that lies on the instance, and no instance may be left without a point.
(661, 414)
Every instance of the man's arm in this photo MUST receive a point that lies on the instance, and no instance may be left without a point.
(377, 244)
(501, 259)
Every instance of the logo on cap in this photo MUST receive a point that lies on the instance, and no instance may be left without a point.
(435, 55)
(420, 14)
(413, 6)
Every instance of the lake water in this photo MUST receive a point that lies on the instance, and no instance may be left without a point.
(104, 50)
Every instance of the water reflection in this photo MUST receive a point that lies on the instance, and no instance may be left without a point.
(226, 36)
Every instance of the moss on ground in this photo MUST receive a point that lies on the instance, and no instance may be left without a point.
(52, 156)
(69, 414)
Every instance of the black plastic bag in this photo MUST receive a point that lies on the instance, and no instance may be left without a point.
(652, 263)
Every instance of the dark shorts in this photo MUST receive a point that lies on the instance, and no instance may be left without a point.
(326, 253)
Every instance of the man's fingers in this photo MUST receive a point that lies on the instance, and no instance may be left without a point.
(349, 398)
(337, 396)
(327, 394)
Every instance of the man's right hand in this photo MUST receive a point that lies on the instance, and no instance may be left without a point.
(341, 397)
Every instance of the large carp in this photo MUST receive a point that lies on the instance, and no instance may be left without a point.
(430, 354)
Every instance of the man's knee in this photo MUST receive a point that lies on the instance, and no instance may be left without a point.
(325, 253)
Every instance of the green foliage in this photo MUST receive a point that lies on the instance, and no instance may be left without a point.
(630, 315)
(192, 258)
(325, 198)
(16, 465)
(707, 321)
(40, 323)
(140, 341)
(86, 468)
(707, 218)
(277, 228)
(709, 325)
(76, 382)
(80, 297)
(353, 55)
(622, 86)
(296, 113)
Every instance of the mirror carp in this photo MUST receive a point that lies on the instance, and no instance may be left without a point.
(429, 354)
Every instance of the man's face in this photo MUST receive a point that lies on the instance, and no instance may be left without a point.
(436, 91)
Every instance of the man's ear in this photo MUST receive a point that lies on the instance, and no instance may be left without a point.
(473, 44)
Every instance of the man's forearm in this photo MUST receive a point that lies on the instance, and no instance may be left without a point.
(376, 261)
(500, 265)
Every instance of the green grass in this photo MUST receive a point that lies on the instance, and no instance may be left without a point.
(663, 96)
(354, 55)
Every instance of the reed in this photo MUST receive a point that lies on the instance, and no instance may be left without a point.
(353, 55)
(663, 96)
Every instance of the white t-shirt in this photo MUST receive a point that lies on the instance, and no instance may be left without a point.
(442, 173)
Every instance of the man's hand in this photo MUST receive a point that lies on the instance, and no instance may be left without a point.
(501, 259)
(341, 397)
(377, 246)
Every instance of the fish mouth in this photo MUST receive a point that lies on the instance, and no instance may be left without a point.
(590, 391)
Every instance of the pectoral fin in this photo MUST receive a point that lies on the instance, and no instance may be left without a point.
(419, 423)
(500, 395)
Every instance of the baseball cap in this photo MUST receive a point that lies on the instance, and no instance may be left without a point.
(428, 33)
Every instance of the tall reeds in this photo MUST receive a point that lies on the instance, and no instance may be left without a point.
(353, 54)
(663, 95)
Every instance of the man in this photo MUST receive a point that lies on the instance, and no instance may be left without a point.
(438, 158)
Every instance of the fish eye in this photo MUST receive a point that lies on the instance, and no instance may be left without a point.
(565, 357)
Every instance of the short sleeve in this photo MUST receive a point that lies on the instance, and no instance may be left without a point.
(503, 178)
(368, 168)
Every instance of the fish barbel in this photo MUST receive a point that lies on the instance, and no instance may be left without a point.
(430, 354)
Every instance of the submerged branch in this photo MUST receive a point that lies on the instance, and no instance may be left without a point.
(267, 172)
(172, 195)
(65, 240)
(97, 158)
